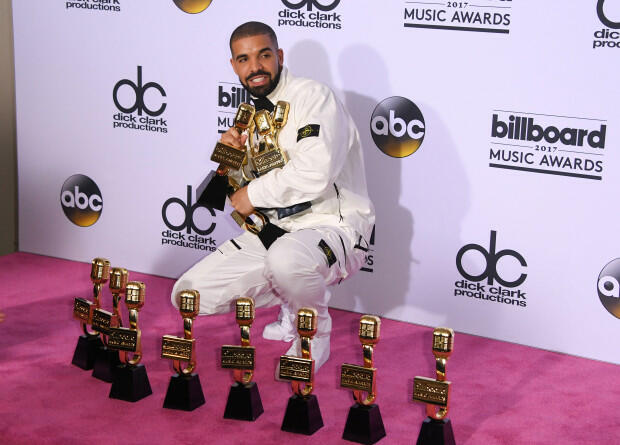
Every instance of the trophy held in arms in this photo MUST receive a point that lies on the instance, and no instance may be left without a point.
(238, 166)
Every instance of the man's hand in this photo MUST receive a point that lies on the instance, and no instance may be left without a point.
(233, 138)
(241, 202)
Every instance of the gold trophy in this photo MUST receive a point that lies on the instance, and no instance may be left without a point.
(214, 189)
(107, 359)
(239, 166)
(268, 154)
(89, 343)
(244, 402)
(303, 415)
(436, 428)
(184, 390)
(130, 381)
(364, 423)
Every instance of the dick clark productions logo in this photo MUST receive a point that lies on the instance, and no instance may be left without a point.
(506, 292)
(609, 287)
(81, 200)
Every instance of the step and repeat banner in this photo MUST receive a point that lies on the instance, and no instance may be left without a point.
(490, 130)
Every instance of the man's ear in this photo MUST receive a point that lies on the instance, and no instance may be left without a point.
(281, 56)
(232, 63)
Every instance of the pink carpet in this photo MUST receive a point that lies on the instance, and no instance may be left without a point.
(502, 393)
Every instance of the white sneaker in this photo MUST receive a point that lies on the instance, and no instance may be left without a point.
(282, 329)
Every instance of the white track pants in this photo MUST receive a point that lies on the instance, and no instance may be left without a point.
(295, 270)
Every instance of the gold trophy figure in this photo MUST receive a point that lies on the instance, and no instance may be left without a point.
(130, 380)
(435, 393)
(214, 189)
(107, 359)
(244, 402)
(364, 422)
(303, 415)
(184, 390)
(89, 343)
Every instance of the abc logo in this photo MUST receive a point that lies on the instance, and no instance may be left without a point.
(397, 127)
(81, 200)
(603, 17)
(491, 257)
(192, 6)
(309, 3)
(608, 287)
(187, 216)
(139, 93)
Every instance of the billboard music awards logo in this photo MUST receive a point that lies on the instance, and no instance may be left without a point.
(188, 224)
(140, 105)
(229, 96)
(369, 254)
(493, 283)
(192, 6)
(80, 199)
(549, 144)
(397, 127)
(609, 288)
(608, 12)
(489, 16)
(95, 5)
(310, 14)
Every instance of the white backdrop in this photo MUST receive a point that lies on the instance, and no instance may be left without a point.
(471, 70)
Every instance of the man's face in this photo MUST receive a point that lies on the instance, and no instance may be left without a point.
(258, 64)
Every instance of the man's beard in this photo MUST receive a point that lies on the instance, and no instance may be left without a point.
(264, 90)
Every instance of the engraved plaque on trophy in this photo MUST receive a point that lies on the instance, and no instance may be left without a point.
(303, 415)
(364, 423)
(184, 390)
(130, 381)
(103, 321)
(435, 393)
(89, 342)
(244, 402)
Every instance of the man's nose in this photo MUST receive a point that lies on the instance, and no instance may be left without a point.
(255, 65)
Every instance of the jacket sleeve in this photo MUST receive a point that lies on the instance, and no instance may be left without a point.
(317, 160)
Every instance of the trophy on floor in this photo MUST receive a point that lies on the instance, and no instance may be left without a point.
(244, 402)
(130, 381)
(436, 428)
(364, 422)
(89, 343)
(303, 415)
(184, 390)
(107, 359)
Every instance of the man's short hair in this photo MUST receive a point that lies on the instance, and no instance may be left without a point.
(250, 29)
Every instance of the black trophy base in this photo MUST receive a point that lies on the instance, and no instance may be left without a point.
(244, 402)
(86, 351)
(303, 415)
(213, 190)
(105, 364)
(436, 432)
(364, 424)
(184, 393)
(130, 383)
